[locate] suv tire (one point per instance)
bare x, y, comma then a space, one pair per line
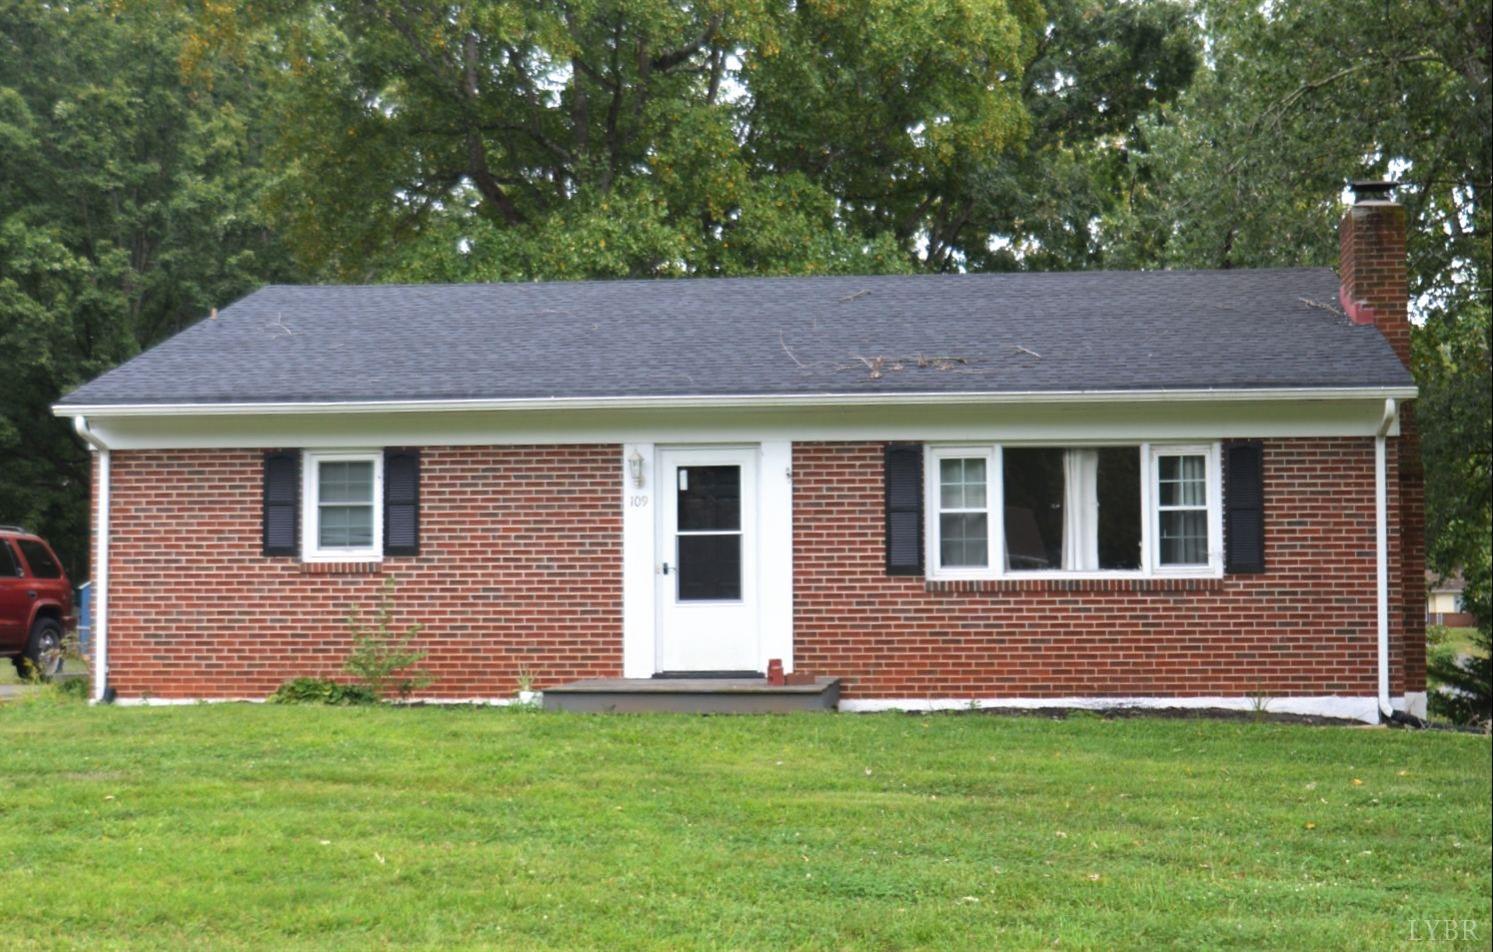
43, 657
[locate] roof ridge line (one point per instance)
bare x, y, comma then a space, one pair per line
764, 278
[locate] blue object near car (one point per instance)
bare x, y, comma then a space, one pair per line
84, 605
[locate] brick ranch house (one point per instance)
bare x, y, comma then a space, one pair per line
1194, 489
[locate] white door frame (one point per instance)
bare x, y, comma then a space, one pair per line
638, 470
706, 635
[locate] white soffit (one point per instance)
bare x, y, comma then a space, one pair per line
1166, 416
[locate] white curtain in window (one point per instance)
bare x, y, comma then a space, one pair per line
1080, 510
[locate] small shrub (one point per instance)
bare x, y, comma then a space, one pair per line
321, 691
1259, 705
525, 678
383, 659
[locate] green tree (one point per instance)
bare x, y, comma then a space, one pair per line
1296, 98
500, 139
598, 138
1099, 70
1455, 406
127, 209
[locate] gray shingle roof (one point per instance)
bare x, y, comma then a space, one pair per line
1239, 329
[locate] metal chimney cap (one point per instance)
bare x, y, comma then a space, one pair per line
1371, 190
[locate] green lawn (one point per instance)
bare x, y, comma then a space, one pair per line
262, 827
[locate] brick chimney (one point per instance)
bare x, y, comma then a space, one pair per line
1372, 263
1376, 290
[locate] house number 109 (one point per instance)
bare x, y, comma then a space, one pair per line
638, 502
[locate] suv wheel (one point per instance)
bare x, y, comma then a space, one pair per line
43, 657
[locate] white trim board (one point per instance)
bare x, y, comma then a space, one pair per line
1117, 420
148, 701
1415, 703
1364, 709
638, 505
775, 532
1345, 708
710, 401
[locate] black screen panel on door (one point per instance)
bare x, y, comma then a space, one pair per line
708, 547
709, 498
709, 567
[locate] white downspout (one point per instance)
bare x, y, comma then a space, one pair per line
101, 563
1381, 553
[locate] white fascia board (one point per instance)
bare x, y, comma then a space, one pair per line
1034, 423
743, 401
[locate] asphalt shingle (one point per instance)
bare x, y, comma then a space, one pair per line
1158, 330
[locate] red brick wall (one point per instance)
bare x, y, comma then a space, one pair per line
1305, 627
520, 566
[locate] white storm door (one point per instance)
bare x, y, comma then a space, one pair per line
706, 568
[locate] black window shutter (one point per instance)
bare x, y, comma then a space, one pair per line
1244, 508
401, 502
282, 499
904, 509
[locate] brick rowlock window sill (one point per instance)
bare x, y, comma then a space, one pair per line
959, 586
341, 568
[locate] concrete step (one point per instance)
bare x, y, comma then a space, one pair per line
692, 696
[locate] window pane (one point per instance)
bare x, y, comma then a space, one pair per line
709, 567
8, 566
1184, 537
343, 482
962, 539
1183, 481
345, 527
41, 561
961, 483
709, 498
1119, 507
1034, 508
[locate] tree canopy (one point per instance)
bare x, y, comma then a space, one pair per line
647, 138
636, 137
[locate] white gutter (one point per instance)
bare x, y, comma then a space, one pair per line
1381, 554
101, 564
707, 401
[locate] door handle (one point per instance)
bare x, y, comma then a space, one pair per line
31, 593
666, 568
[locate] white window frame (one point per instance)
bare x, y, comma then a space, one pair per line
1211, 454
995, 498
311, 462
995, 539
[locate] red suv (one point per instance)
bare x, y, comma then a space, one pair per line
36, 603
